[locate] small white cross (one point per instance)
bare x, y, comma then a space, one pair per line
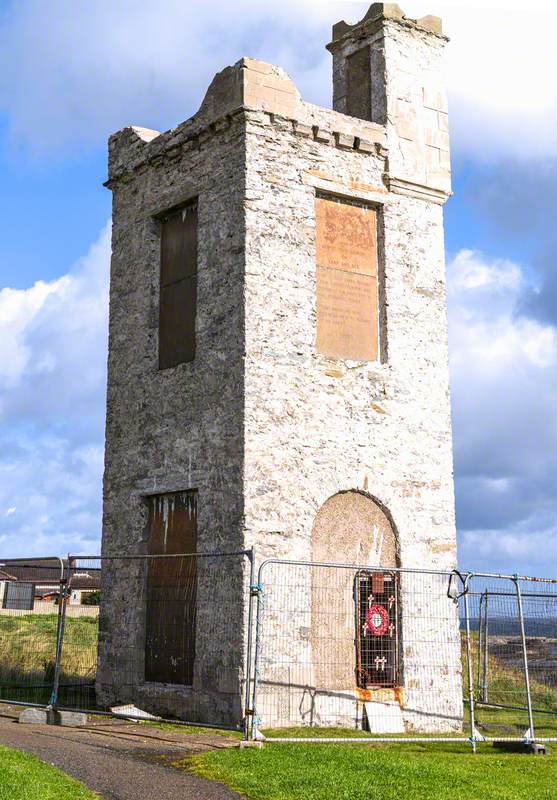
380, 663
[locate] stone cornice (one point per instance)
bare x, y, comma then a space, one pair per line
249, 85
417, 190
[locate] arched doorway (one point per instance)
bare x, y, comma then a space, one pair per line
352, 528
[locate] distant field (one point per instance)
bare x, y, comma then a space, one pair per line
28, 650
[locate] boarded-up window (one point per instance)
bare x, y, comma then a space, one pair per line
377, 629
171, 589
19, 596
358, 94
347, 289
178, 287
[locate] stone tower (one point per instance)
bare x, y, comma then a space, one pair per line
278, 371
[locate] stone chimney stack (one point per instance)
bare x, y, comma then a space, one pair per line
389, 70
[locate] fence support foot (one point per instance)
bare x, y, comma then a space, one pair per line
67, 719
532, 748
250, 743
33, 716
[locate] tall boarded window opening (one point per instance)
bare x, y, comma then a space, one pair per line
171, 589
358, 96
178, 287
347, 283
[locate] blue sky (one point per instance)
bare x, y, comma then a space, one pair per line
70, 73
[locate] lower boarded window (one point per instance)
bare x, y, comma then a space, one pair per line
171, 589
376, 629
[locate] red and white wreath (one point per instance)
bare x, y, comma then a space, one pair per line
377, 620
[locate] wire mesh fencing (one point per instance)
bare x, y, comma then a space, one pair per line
514, 654
167, 639
305, 651
354, 653
142, 637
29, 628
357, 649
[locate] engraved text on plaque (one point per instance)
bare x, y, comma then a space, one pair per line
347, 306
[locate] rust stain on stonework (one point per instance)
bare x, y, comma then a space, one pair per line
381, 695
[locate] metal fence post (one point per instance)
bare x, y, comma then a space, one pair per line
485, 688
258, 591
530, 737
480, 645
64, 587
248, 712
469, 663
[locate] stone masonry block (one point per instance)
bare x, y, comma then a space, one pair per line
407, 130
303, 130
258, 66
437, 138
431, 23
364, 146
33, 716
322, 135
432, 157
344, 140
434, 97
443, 121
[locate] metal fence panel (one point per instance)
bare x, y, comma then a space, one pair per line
514, 650
339, 651
319, 634
29, 621
165, 639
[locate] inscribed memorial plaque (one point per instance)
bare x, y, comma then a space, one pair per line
347, 302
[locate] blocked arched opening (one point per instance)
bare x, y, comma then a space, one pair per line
350, 528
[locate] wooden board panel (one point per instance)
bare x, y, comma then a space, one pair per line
178, 287
347, 289
358, 96
179, 245
171, 589
178, 306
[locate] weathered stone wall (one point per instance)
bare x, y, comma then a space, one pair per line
264, 427
180, 428
317, 426
407, 90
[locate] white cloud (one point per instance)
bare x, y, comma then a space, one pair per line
504, 385
85, 69
53, 336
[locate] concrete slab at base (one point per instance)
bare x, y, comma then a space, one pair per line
257, 745
67, 719
384, 717
34, 716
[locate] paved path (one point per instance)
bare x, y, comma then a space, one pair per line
119, 760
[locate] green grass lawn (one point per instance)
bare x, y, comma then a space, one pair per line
362, 772
24, 777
